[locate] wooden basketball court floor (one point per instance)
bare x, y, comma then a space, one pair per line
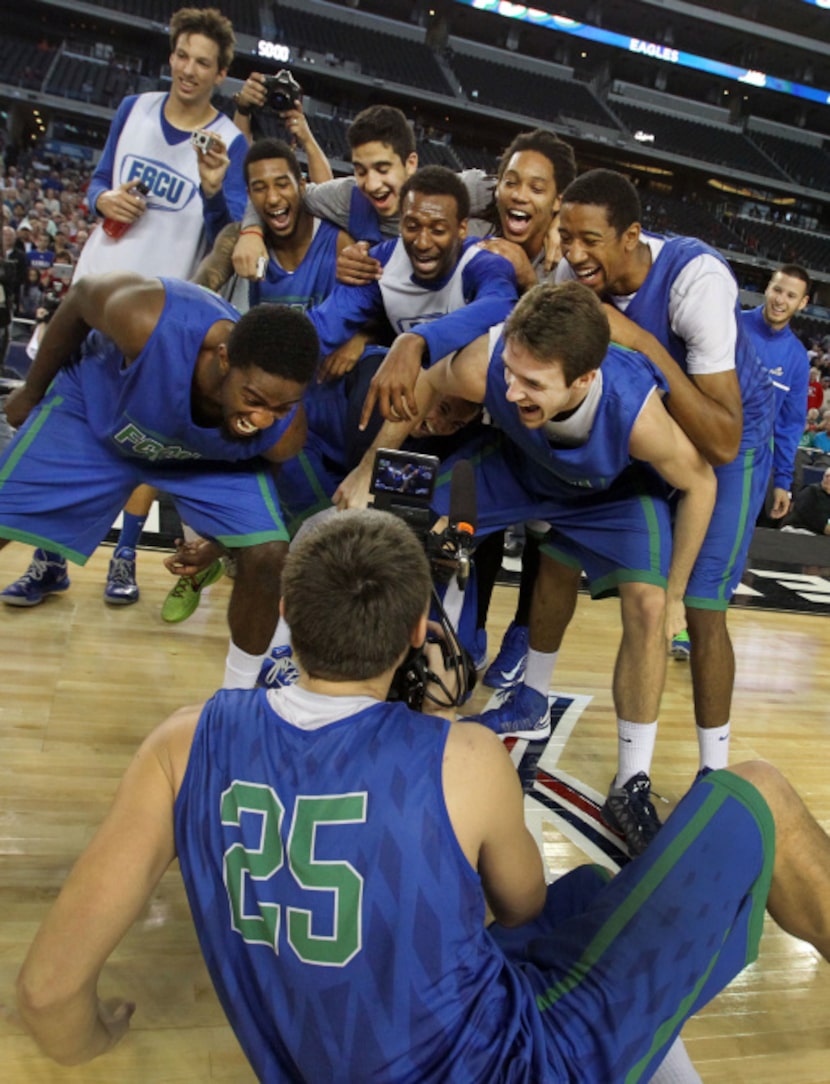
81, 684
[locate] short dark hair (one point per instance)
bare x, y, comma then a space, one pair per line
277, 339
609, 189
565, 323
796, 271
209, 22
354, 588
559, 153
271, 148
439, 181
383, 124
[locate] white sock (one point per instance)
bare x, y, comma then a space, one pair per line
539, 670
635, 748
713, 743
282, 635
676, 1067
241, 669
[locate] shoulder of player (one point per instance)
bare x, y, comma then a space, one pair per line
470, 744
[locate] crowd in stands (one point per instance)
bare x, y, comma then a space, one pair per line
46, 223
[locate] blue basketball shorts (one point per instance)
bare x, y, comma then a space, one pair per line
618, 965
742, 486
61, 488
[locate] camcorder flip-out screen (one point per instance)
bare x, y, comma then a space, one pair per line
403, 483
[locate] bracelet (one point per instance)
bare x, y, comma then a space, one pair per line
251, 229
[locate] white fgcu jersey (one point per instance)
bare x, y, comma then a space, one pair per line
169, 239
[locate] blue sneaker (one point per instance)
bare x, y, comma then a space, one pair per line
508, 667
46, 575
278, 669
523, 713
681, 647
121, 588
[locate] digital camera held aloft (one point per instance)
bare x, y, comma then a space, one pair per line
202, 141
283, 91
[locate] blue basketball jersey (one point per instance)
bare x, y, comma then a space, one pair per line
144, 411
309, 283
364, 224
628, 378
340, 921
650, 309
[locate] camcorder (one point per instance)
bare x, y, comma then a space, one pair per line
202, 141
283, 91
403, 484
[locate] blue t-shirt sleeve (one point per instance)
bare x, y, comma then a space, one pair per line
103, 178
789, 422
489, 285
228, 205
347, 310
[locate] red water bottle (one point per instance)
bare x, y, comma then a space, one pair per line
115, 229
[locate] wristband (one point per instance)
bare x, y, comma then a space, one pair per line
252, 229
242, 110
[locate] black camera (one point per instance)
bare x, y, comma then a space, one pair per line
283, 91
403, 484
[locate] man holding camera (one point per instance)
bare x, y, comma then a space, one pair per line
191, 194
340, 856
193, 191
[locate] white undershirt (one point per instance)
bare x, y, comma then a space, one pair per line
311, 711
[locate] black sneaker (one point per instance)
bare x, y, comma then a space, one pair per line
628, 809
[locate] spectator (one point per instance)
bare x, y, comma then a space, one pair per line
811, 508
821, 439
815, 392
31, 294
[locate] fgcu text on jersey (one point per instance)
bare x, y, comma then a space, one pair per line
168, 189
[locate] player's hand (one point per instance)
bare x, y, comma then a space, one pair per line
248, 251
525, 275
19, 406
353, 491
355, 267
122, 204
213, 165
343, 359
114, 1015
191, 558
675, 618
393, 386
781, 503
553, 245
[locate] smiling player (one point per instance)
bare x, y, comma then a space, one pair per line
171, 388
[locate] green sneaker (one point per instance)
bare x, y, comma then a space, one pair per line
681, 647
183, 599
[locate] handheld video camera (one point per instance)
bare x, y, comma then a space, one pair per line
202, 141
403, 484
283, 91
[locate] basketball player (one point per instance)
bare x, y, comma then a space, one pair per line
784, 357
340, 853
159, 381
680, 301
578, 423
